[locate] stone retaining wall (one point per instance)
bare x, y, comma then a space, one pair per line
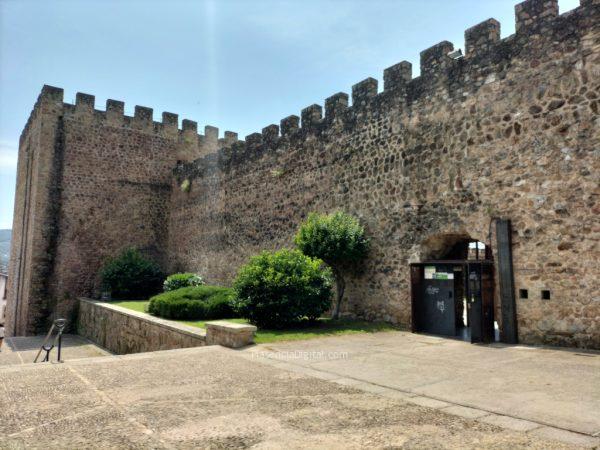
123, 331
227, 334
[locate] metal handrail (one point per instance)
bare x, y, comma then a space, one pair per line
59, 324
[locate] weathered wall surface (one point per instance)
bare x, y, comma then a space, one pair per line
509, 131
34, 225
123, 331
114, 193
89, 184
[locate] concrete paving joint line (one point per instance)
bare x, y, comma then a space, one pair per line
356, 382
108, 401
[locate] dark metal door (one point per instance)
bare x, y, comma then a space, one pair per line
416, 288
436, 306
480, 301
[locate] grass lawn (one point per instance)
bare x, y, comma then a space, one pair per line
324, 327
136, 305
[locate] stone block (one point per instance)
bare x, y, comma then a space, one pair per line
435, 58
481, 37
289, 125
311, 115
229, 334
336, 105
531, 13
397, 76
363, 92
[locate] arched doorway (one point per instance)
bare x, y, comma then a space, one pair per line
453, 289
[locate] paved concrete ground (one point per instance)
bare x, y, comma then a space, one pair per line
22, 350
542, 391
212, 397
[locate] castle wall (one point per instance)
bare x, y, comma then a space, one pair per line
33, 223
509, 131
89, 184
114, 194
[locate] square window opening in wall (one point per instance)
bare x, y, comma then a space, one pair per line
545, 294
523, 293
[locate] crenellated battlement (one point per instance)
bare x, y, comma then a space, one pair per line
142, 120
480, 38
442, 69
534, 14
336, 106
49, 95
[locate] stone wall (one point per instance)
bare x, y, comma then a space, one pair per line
89, 184
124, 331
511, 131
34, 223
122, 201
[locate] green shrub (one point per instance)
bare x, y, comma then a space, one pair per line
276, 290
194, 303
131, 276
339, 240
180, 280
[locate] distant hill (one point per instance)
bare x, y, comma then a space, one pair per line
4, 249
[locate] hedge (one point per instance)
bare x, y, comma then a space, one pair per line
194, 303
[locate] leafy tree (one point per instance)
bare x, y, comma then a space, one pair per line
283, 288
131, 275
339, 240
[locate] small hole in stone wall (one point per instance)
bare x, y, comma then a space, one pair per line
545, 294
523, 293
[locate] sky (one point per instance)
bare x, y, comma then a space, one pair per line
239, 65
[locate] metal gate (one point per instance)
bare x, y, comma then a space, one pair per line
434, 302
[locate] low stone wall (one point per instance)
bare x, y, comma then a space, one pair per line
227, 334
123, 331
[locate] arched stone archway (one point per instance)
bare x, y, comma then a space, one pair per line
453, 290
442, 246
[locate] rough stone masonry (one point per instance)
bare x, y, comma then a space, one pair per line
510, 130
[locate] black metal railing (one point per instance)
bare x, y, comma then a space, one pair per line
49, 344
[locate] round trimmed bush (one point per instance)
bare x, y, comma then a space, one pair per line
180, 280
279, 289
194, 303
131, 276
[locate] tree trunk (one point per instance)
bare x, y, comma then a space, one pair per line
341, 286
